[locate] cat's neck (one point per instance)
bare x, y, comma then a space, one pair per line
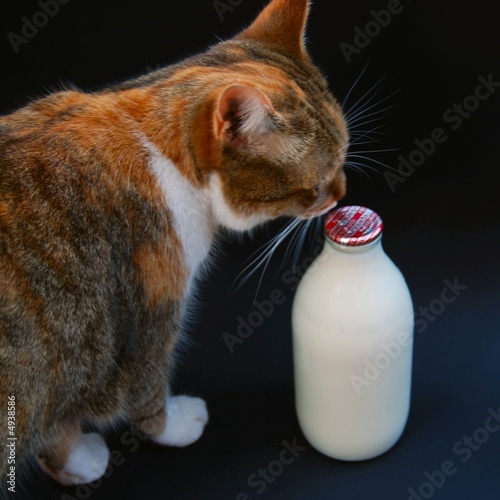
189, 206
163, 119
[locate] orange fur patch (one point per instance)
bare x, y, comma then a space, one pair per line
155, 264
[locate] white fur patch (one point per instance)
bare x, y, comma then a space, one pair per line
86, 462
197, 212
190, 208
223, 213
186, 420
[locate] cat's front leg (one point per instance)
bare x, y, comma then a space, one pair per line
186, 420
73, 457
176, 421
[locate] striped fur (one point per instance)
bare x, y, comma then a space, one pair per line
109, 203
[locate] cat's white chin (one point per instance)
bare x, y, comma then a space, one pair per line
224, 215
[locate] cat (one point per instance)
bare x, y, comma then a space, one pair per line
109, 205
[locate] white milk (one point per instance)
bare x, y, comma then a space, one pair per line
352, 338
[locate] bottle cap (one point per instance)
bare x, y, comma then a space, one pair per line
353, 226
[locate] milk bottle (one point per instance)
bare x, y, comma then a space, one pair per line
352, 340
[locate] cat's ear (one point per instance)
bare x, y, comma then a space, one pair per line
282, 24
243, 113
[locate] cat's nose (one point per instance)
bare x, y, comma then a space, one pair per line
339, 187
340, 192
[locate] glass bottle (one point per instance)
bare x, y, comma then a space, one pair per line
352, 340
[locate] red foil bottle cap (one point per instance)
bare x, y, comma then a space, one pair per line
353, 226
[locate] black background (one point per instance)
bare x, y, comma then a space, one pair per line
442, 223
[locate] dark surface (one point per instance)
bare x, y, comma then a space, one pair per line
442, 223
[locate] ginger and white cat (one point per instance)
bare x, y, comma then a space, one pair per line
110, 202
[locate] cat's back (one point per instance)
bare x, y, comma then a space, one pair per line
52, 246
70, 195
38, 120
65, 126
44, 171
67, 157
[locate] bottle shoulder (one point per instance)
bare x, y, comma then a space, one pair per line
347, 270
365, 290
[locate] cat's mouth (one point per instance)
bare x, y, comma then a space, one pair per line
317, 212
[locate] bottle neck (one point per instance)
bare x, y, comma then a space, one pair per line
375, 246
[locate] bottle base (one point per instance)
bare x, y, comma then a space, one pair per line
354, 452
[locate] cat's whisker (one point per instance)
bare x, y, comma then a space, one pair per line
361, 167
294, 243
353, 121
374, 130
353, 86
262, 250
300, 241
367, 122
353, 113
358, 133
362, 120
358, 141
267, 259
350, 153
367, 158
318, 229
366, 105
357, 167
289, 247
264, 255
319, 225
362, 115
370, 141
365, 112
359, 104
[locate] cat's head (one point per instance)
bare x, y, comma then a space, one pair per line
279, 137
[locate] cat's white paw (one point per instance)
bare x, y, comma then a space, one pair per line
186, 419
86, 462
